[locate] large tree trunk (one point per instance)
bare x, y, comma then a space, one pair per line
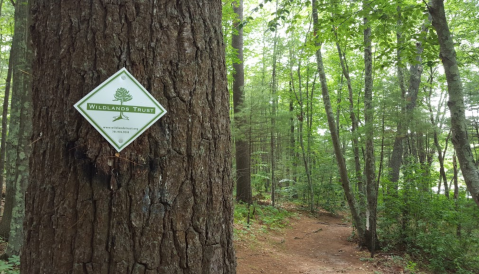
243, 171
164, 205
456, 99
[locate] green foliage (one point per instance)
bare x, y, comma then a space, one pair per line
267, 216
241, 212
435, 230
414, 218
273, 217
411, 267
10, 266
331, 196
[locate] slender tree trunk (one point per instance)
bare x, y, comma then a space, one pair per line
354, 133
17, 147
338, 110
243, 169
4, 116
455, 179
250, 139
456, 193
4, 121
415, 72
434, 123
309, 125
21, 73
456, 106
343, 172
273, 115
381, 157
299, 97
443, 156
165, 204
396, 157
292, 139
370, 167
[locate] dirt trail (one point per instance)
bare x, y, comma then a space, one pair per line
311, 245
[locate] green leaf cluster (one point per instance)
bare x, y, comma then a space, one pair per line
11, 266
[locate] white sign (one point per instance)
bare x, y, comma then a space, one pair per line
120, 109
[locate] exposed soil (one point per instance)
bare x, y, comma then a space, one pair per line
310, 245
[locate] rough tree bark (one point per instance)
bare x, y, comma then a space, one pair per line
164, 205
456, 106
243, 170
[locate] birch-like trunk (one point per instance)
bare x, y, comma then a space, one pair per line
456, 105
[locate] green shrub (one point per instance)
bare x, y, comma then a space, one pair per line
269, 216
440, 233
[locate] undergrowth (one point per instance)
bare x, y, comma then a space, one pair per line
438, 232
261, 219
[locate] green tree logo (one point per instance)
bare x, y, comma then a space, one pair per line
122, 95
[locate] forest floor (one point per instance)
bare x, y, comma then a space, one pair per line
310, 244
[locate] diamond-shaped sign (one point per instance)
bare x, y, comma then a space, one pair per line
120, 109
